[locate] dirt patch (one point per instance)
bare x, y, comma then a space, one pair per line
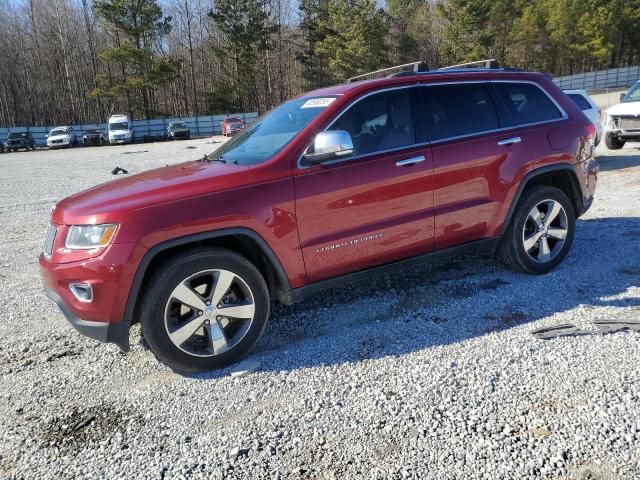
81, 426
505, 320
629, 270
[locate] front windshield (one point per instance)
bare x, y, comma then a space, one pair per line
176, 126
633, 95
119, 126
272, 132
55, 133
92, 131
18, 135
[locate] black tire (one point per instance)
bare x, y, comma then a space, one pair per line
512, 251
158, 294
612, 142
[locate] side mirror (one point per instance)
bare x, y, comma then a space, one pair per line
329, 145
622, 96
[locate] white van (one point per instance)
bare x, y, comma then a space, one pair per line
120, 129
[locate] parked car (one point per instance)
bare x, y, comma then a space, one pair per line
312, 196
93, 136
18, 141
120, 129
232, 125
589, 108
177, 130
61, 137
622, 121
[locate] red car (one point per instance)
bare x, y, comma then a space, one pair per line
329, 187
232, 125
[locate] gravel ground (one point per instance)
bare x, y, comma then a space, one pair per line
431, 373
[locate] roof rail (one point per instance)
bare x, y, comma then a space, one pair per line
491, 63
420, 68
412, 67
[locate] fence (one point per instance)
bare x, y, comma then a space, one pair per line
600, 80
202, 126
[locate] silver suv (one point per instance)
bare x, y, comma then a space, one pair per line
622, 121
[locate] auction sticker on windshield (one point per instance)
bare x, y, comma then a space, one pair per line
317, 102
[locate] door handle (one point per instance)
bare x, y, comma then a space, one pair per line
410, 161
509, 141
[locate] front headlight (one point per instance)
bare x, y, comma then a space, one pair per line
609, 121
87, 237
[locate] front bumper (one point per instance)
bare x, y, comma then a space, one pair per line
60, 143
624, 134
117, 333
110, 276
182, 135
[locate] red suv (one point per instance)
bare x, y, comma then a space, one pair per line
329, 187
232, 125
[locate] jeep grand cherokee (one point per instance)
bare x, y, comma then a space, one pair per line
329, 187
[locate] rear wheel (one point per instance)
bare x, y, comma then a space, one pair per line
613, 142
204, 309
541, 231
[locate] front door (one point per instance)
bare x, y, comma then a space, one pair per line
374, 207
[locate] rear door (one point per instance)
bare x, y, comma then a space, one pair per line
374, 207
475, 162
535, 116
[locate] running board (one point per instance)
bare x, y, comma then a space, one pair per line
484, 246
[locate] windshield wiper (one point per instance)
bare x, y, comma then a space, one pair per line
219, 159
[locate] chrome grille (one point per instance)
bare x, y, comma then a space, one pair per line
49, 238
630, 123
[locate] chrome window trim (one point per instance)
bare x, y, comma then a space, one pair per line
562, 118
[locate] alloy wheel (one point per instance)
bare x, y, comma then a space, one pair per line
209, 312
545, 231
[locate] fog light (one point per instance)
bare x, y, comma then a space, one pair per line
82, 291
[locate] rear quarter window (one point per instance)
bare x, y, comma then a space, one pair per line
580, 101
526, 103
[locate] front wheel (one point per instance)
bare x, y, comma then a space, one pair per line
204, 309
612, 142
541, 231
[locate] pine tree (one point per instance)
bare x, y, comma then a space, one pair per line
245, 28
137, 26
354, 40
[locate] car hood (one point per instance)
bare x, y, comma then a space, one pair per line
106, 202
625, 108
59, 137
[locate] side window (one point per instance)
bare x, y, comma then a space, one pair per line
527, 103
456, 110
580, 101
382, 121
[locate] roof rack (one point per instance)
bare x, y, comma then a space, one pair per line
413, 67
420, 68
490, 63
